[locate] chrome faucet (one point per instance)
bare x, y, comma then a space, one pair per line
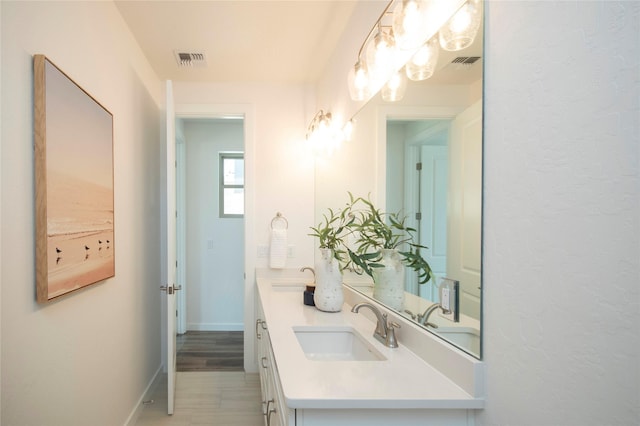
385, 331
309, 268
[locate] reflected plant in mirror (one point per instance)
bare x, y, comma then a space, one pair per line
377, 231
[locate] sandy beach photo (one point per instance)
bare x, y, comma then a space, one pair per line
80, 240
74, 187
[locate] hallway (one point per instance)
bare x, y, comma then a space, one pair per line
210, 351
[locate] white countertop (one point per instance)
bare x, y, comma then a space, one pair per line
401, 381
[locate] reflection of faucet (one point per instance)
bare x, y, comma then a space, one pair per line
424, 318
385, 332
309, 268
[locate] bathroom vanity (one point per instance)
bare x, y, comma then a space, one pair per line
319, 368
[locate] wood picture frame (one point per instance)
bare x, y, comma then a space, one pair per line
74, 209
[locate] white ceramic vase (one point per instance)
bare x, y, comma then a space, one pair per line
388, 280
328, 296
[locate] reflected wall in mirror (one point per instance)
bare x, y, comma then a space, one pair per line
437, 125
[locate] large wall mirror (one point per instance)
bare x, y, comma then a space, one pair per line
422, 156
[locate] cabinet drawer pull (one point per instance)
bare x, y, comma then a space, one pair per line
273, 410
258, 335
270, 411
262, 360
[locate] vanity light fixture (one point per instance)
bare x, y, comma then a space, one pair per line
380, 53
411, 40
394, 89
408, 22
359, 81
324, 134
364, 77
423, 63
320, 125
460, 31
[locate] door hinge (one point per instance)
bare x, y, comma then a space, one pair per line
419, 166
419, 216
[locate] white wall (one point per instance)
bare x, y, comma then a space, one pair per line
561, 241
88, 357
215, 246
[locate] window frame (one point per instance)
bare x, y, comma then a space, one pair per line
222, 186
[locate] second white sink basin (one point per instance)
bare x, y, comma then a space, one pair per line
465, 337
335, 344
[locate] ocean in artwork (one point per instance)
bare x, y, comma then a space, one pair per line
80, 233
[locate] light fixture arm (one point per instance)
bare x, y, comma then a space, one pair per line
320, 117
376, 24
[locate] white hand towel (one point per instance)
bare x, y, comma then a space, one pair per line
278, 249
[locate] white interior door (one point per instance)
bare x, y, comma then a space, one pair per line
465, 191
170, 287
433, 206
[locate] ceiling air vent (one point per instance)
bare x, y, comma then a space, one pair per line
190, 59
465, 60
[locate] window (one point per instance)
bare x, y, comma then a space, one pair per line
231, 184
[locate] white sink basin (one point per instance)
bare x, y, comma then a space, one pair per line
335, 344
466, 337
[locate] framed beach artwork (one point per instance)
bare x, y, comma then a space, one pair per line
73, 184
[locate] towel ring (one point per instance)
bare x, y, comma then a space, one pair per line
279, 217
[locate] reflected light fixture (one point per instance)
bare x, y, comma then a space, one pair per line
380, 53
364, 76
394, 89
423, 63
411, 39
460, 31
408, 22
359, 81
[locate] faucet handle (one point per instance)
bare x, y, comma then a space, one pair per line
381, 326
392, 342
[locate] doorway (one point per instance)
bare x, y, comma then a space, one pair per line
417, 152
210, 243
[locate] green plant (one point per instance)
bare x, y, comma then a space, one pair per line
376, 231
332, 231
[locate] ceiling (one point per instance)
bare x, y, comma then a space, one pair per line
242, 40
262, 41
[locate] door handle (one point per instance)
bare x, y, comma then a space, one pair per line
170, 289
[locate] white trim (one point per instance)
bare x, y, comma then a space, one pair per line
396, 112
181, 226
146, 395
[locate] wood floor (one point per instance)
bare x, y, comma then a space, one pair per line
211, 385
210, 351
215, 398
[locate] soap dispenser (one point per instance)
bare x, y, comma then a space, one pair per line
309, 288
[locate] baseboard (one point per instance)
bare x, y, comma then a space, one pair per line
215, 327
148, 392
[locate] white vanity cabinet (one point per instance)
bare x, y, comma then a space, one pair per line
401, 389
274, 409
